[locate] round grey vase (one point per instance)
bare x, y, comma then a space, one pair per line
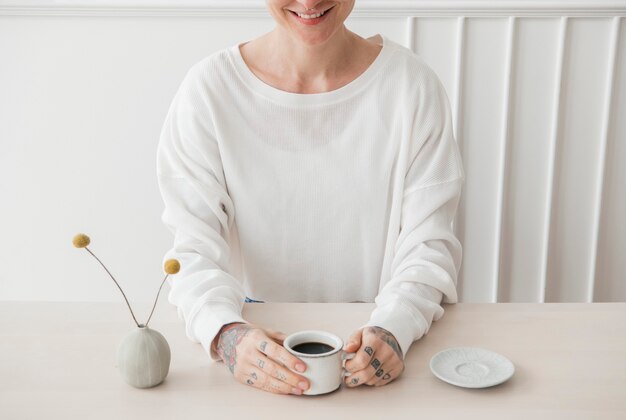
143, 357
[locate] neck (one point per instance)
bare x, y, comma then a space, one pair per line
310, 63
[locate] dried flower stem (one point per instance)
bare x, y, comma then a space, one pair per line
118, 286
155, 300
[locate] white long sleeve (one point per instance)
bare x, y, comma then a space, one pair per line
199, 212
427, 253
341, 196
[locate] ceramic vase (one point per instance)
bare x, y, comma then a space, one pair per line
143, 357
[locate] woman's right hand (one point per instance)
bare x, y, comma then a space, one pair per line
256, 357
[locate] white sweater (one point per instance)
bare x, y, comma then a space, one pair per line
341, 196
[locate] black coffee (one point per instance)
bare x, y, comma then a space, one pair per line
312, 348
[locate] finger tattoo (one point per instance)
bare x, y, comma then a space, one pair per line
379, 372
387, 376
254, 375
263, 345
354, 381
368, 350
281, 376
375, 363
249, 382
261, 363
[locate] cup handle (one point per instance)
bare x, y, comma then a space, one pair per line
345, 356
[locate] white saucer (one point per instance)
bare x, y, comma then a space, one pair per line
471, 367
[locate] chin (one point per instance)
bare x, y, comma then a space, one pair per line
338, 12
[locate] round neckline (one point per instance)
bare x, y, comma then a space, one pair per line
304, 99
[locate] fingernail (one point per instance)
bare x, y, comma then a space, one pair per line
303, 385
300, 367
296, 391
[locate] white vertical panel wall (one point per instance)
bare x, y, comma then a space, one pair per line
536, 97
538, 92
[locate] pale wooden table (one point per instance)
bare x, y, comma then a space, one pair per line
57, 360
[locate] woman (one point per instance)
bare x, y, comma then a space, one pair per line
311, 165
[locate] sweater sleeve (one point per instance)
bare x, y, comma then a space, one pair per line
199, 212
427, 254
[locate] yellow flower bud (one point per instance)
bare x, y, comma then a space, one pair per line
172, 266
80, 240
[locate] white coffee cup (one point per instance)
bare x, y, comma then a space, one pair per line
324, 371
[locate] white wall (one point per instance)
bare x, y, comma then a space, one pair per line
84, 91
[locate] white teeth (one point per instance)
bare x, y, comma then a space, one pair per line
311, 16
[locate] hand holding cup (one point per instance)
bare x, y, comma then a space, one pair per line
256, 357
379, 359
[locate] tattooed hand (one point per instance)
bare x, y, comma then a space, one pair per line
256, 357
378, 358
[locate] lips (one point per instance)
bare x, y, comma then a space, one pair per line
313, 13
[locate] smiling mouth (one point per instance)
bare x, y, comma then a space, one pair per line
324, 13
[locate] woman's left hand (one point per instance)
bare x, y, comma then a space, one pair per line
378, 358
